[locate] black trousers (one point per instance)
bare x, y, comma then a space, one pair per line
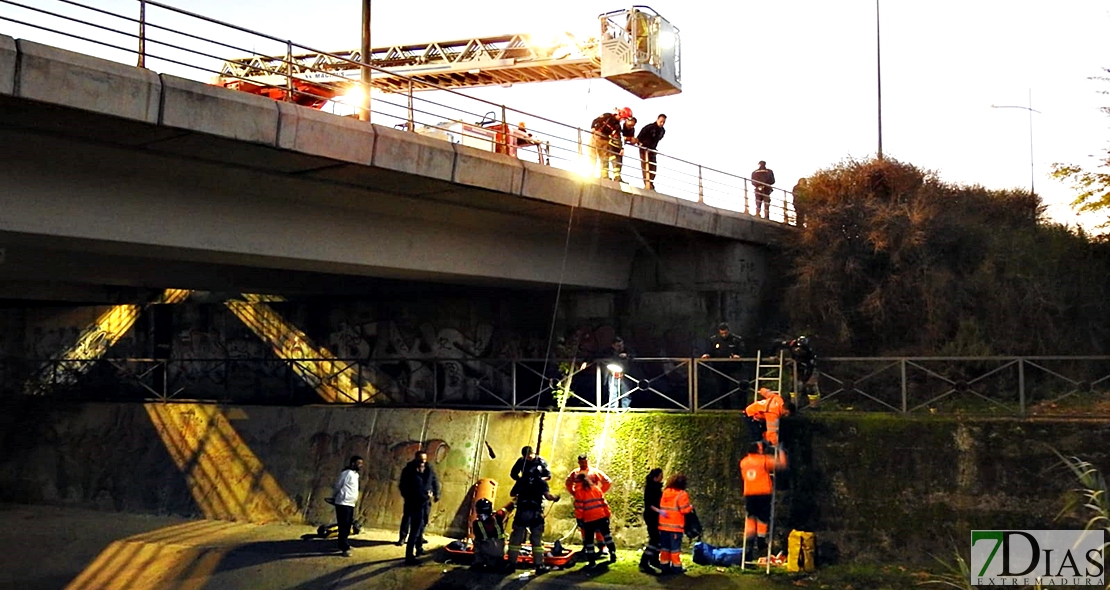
416, 513
344, 517
408, 523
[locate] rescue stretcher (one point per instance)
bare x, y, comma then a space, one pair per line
462, 550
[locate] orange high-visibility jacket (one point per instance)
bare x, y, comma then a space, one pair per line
589, 504
755, 469
676, 505
768, 410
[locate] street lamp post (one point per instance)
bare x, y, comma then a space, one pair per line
879, 76
364, 111
1031, 110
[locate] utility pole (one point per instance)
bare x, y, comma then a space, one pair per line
1032, 166
879, 76
364, 110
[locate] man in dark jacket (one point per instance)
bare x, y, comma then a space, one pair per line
725, 345
419, 488
649, 137
763, 177
530, 464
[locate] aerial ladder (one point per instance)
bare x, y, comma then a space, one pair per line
637, 49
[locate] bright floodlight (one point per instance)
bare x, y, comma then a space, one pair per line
354, 96
614, 368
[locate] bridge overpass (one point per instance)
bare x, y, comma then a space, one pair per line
117, 175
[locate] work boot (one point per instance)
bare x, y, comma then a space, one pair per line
612, 556
645, 564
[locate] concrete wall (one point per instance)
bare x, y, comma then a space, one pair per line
878, 487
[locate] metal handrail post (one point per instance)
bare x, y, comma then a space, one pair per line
579, 142
288, 71
505, 128
142, 33
1021, 384
905, 386
746, 198
701, 189
597, 391
514, 384
412, 126
692, 384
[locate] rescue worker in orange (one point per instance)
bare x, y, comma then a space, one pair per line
762, 416
673, 508
756, 470
588, 486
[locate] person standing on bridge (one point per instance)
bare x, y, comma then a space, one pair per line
344, 497
763, 177
605, 129
648, 138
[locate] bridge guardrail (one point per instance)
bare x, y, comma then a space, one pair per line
900, 385
183, 43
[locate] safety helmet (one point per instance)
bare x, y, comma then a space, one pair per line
483, 506
624, 112
802, 341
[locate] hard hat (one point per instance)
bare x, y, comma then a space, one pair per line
802, 340
483, 506
624, 112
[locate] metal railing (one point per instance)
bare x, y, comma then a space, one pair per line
903, 385
184, 43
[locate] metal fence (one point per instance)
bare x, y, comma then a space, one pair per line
178, 42
903, 385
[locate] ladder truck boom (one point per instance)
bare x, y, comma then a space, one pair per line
637, 49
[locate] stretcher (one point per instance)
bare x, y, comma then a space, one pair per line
463, 552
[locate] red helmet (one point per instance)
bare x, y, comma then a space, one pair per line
624, 112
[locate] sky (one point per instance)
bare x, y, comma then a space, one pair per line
792, 82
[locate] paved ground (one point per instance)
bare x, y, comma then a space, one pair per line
45, 547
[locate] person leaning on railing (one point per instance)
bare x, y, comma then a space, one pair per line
648, 138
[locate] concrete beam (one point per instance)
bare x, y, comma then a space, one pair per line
605, 196
553, 185
56, 76
496, 172
412, 153
218, 111
655, 208
9, 54
310, 131
697, 217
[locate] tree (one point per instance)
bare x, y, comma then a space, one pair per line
1093, 186
894, 261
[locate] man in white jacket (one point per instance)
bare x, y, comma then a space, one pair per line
344, 498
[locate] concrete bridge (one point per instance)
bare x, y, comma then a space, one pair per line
116, 175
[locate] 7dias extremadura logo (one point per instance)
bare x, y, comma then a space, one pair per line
1051, 558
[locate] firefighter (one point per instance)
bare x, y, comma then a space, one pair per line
762, 416
756, 469
653, 494
806, 359
606, 129
489, 535
588, 486
616, 144
530, 463
674, 505
528, 495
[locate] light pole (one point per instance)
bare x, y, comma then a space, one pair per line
364, 111
879, 76
1032, 171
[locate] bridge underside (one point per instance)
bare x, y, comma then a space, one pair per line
99, 200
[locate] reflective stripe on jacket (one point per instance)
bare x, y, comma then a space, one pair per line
676, 505
590, 504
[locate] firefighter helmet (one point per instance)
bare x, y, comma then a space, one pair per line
624, 112
483, 506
